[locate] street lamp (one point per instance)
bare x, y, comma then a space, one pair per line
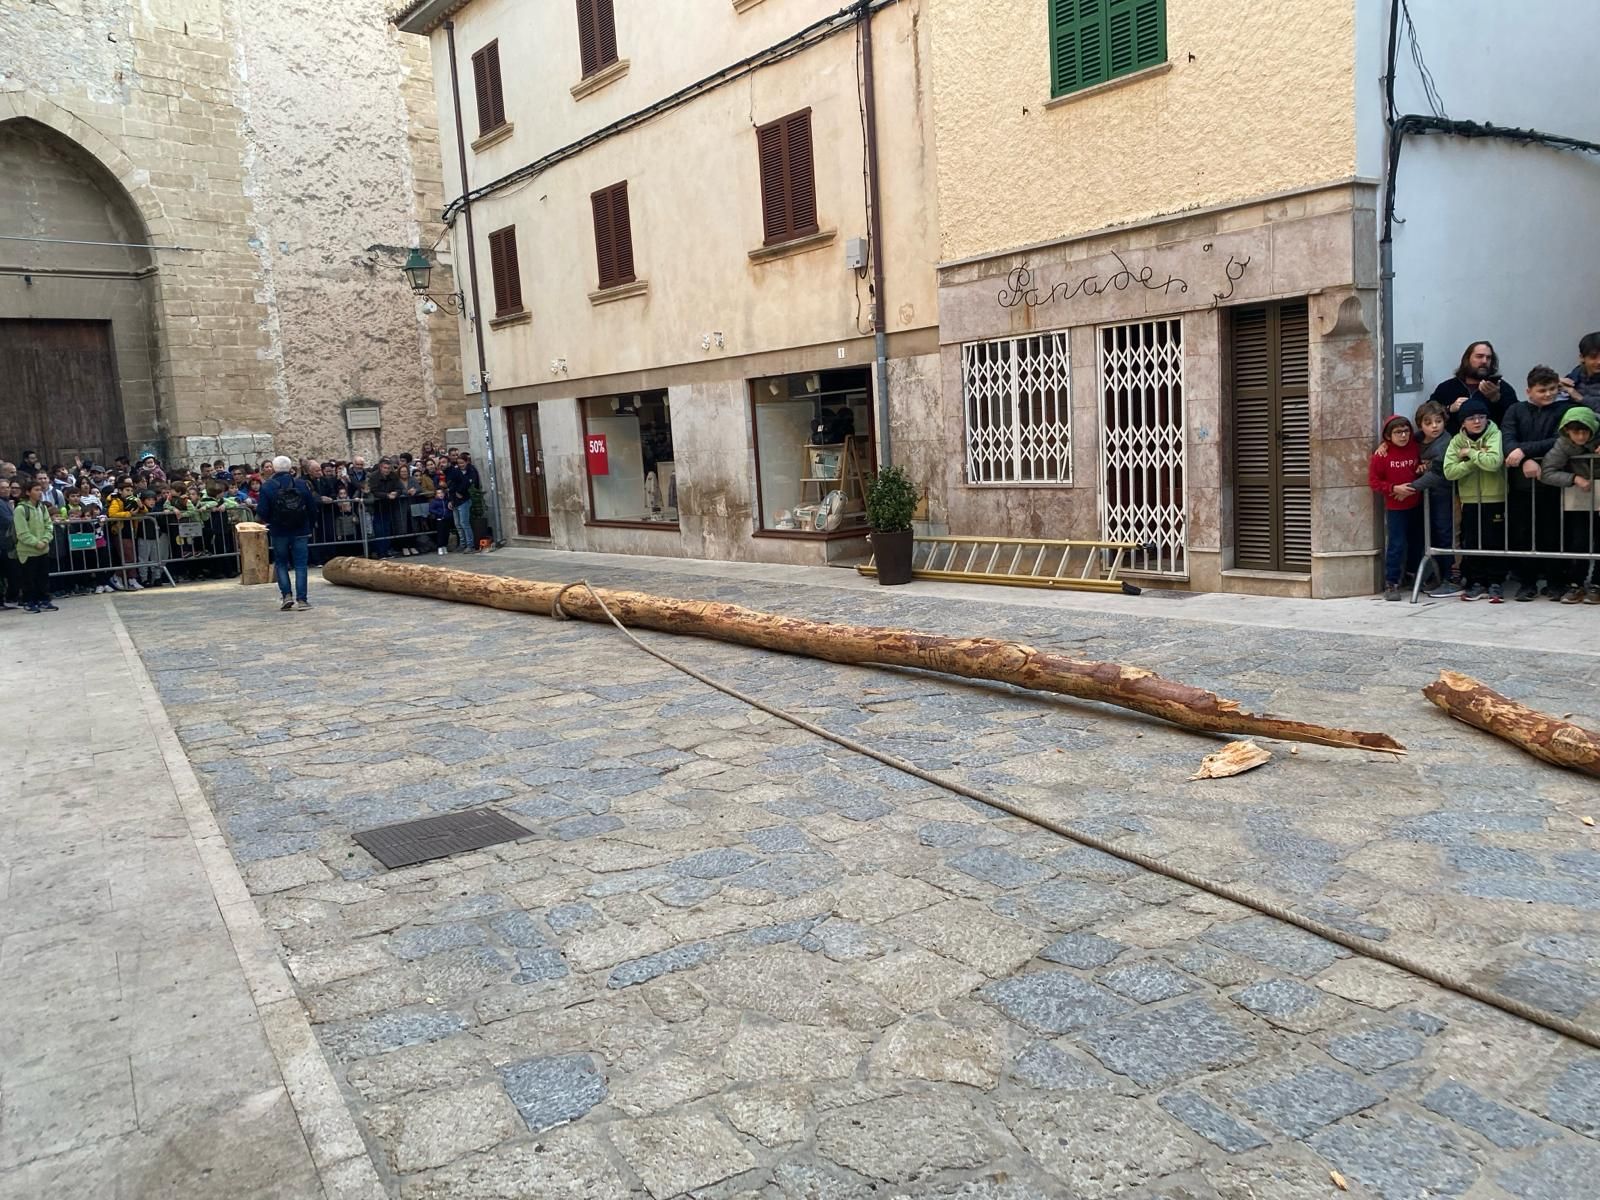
417, 270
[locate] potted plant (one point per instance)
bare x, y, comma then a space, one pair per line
891, 501
481, 529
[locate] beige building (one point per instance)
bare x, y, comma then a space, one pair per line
670, 212
1158, 286
204, 205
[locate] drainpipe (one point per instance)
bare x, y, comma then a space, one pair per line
493, 498
875, 239
1391, 158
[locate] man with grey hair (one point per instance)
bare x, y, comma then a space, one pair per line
286, 507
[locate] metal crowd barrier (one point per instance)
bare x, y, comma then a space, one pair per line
1557, 526
163, 547
375, 528
147, 548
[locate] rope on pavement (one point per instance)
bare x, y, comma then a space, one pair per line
1365, 947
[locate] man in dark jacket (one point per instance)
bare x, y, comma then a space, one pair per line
459, 481
385, 489
287, 508
1478, 375
1533, 512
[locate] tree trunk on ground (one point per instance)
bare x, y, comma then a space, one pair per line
254, 566
1541, 735
971, 658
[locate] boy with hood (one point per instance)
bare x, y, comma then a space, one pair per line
1474, 463
1392, 474
1533, 513
1438, 498
1569, 466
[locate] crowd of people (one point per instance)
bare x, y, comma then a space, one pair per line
1477, 469
124, 526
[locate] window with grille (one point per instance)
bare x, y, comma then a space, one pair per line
613, 235
1271, 359
486, 82
788, 178
1092, 41
506, 272
597, 35
1144, 494
1017, 399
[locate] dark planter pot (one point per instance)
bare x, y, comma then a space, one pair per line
481, 530
893, 551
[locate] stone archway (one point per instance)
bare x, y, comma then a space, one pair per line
80, 310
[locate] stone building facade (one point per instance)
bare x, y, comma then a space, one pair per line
204, 205
664, 399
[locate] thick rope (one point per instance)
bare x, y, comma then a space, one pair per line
1365, 947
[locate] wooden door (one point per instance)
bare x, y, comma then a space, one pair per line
527, 472
58, 390
1272, 437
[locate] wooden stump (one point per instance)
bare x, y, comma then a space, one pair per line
972, 658
254, 566
1541, 735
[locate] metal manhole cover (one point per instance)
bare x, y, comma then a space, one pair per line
413, 842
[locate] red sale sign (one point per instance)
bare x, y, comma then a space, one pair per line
599, 460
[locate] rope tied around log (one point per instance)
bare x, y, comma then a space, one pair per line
559, 613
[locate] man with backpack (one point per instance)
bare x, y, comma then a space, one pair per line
287, 507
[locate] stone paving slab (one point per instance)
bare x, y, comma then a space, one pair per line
133, 1059
736, 960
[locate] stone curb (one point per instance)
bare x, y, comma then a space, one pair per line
337, 1150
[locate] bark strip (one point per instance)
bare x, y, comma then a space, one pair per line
1541, 735
971, 658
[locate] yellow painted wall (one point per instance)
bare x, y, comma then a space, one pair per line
693, 184
1260, 98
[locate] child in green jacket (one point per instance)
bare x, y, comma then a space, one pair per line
1474, 462
34, 533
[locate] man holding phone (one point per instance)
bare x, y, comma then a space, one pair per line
1478, 375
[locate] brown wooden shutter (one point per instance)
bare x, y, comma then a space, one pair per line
597, 35
622, 232
802, 175
486, 83
1294, 432
613, 235
788, 178
1272, 437
506, 271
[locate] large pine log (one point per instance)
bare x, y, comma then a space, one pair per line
972, 658
1541, 735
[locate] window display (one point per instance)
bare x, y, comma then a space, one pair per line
627, 445
814, 451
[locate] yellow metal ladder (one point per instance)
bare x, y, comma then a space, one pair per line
1020, 562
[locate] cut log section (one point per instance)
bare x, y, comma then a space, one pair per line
971, 658
1541, 735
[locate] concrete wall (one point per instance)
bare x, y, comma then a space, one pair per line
694, 187
1496, 239
1258, 99
246, 133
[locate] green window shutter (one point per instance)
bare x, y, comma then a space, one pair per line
1092, 41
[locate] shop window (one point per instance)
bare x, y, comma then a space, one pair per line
814, 451
627, 443
1017, 399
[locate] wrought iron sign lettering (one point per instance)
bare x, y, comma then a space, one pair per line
1021, 288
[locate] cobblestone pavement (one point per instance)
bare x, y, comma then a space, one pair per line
735, 961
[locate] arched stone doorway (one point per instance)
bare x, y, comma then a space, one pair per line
79, 342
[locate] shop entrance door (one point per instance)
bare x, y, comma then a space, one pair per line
527, 472
1144, 493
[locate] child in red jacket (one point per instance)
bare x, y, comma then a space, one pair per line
1392, 473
